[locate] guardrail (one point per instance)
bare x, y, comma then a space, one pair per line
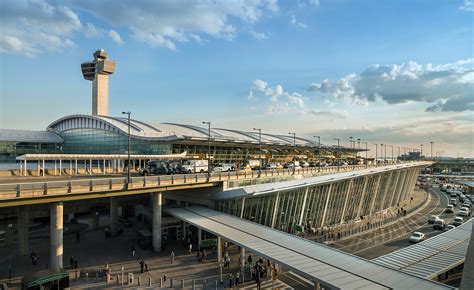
78, 186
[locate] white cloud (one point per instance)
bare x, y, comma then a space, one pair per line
314, 2
295, 22
92, 31
468, 5
276, 98
446, 87
329, 114
165, 23
32, 26
115, 36
258, 35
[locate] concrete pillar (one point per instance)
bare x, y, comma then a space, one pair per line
9, 234
95, 220
219, 249
199, 238
242, 209
326, 205
157, 204
349, 188
44, 169
113, 215
56, 235
23, 230
242, 263
303, 208
60, 167
275, 210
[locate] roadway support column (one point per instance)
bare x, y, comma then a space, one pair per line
56, 235
113, 215
199, 233
23, 230
242, 264
157, 203
219, 250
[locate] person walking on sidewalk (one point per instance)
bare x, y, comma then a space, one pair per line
172, 257
133, 251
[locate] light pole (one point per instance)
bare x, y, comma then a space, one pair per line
421, 150
431, 143
319, 152
398, 157
381, 152
259, 149
128, 162
337, 159
208, 149
294, 151
376, 151
366, 163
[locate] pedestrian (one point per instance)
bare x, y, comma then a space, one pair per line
249, 259
32, 255
146, 267
190, 248
71, 261
35, 259
237, 278
231, 278
142, 265
228, 262
172, 257
78, 237
133, 251
204, 255
75, 264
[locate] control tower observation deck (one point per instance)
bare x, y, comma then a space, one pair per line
98, 71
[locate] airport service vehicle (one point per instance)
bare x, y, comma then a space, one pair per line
457, 221
254, 164
417, 237
450, 227
432, 218
449, 208
222, 167
453, 201
155, 167
464, 212
439, 224
195, 166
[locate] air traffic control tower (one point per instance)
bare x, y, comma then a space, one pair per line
98, 72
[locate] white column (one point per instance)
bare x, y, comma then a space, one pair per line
304, 205
157, 203
55, 167
60, 166
275, 209
326, 205
219, 250
113, 215
103, 166
75, 171
44, 169
38, 168
26, 168
90, 167
56, 235
364, 192
348, 192
374, 197
242, 209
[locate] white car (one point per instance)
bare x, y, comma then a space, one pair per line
222, 168
432, 219
457, 221
417, 237
463, 212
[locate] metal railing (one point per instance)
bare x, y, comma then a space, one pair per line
77, 186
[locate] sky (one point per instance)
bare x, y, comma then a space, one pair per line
396, 72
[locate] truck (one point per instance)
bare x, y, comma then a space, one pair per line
195, 166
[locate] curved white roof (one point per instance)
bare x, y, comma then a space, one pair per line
29, 136
173, 131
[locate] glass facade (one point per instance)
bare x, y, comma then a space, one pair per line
324, 205
9, 150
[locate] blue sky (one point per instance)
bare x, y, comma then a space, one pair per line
396, 72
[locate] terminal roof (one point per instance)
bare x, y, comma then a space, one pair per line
27, 136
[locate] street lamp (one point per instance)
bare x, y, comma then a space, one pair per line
381, 152
208, 149
294, 151
338, 148
376, 151
259, 149
128, 165
431, 143
319, 152
366, 163
421, 150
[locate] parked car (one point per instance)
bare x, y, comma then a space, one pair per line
439, 224
464, 212
449, 208
457, 221
453, 201
417, 237
432, 218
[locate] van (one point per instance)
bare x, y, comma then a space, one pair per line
439, 224
449, 208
